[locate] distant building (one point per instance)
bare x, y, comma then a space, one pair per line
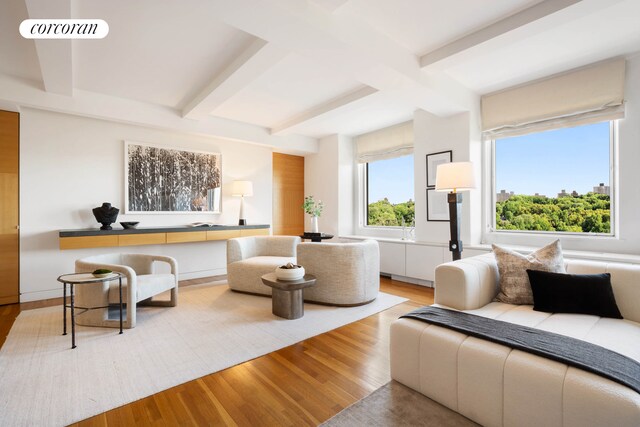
503, 196
574, 193
540, 195
563, 193
602, 189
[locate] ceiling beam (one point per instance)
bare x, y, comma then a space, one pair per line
526, 23
25, 93
333, 106
345, 42
54, 55
249, 65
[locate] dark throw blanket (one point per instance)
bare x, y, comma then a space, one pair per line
573, 352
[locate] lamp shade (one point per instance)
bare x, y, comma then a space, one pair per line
242, 188
454, 177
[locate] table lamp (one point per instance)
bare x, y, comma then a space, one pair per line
455, 177
242, 189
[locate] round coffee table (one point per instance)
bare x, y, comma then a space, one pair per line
287, 295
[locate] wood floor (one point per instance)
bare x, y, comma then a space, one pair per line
303, 384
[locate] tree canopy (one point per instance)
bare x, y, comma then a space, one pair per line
585, 213
384, 213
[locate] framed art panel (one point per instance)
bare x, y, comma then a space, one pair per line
433, 160
170, 180
437, 205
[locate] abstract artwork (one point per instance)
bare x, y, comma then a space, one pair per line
166, 180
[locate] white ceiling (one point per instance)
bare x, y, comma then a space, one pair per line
286, 70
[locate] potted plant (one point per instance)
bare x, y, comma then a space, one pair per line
313, 208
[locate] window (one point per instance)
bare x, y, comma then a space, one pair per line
555, 181
389, 192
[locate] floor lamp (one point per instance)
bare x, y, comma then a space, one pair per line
455, 177
242, 189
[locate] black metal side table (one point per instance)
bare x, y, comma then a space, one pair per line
80, 279
316, 237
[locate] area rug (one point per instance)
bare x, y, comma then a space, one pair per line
395, 405
43, 382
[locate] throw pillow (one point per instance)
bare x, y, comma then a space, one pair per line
512, 266
573, 293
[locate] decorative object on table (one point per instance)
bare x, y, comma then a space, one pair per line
455, 177
290, 271
127, 225
433, 160
286, 295
171, 180
437, 206
101, 272
242, 189
313, 208
408, 232
106, 215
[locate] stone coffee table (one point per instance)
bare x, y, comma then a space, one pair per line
287, 295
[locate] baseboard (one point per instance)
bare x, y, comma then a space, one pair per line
420, 282
204, 273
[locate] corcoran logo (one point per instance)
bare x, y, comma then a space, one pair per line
64, 29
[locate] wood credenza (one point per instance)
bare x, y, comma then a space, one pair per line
96, 238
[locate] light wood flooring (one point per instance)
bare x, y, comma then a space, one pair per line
303, 384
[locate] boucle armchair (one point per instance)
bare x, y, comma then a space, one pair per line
496, 385
249, 258
140, 285
347, 274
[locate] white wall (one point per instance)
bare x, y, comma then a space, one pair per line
328, 176
70, 164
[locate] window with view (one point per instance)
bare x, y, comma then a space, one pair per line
555, 181
390, 192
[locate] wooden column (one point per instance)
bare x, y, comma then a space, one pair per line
288, 194
9, 212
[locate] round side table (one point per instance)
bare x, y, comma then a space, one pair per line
287, 295
81, 279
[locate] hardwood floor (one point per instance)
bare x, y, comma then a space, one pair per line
303, 384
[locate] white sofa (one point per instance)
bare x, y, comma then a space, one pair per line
347, 273
249, 258
497, 386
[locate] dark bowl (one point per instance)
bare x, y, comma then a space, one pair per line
129, 224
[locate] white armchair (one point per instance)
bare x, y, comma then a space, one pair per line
248, 258
140, 285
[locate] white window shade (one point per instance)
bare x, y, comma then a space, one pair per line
387, 143
587, 95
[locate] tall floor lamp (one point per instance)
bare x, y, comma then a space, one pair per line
455, 177
242, 189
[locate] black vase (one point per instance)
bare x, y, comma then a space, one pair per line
106, 215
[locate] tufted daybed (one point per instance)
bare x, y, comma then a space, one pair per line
495, 385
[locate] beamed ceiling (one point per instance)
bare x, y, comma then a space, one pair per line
287, 72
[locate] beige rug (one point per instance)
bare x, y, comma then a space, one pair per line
44, 382
395, 405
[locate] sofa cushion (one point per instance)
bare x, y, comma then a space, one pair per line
246, 275
512, 266
573, 293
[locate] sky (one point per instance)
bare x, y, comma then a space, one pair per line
548, 162
545, 163
392, 179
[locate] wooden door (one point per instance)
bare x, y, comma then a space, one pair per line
288, 194
9, 213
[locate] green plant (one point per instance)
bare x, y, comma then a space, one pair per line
312, 207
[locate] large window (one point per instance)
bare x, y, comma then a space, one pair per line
389, 192
555, 181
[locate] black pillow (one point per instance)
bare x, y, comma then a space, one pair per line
573, 293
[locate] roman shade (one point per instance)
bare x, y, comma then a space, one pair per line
586, 95
387, 143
